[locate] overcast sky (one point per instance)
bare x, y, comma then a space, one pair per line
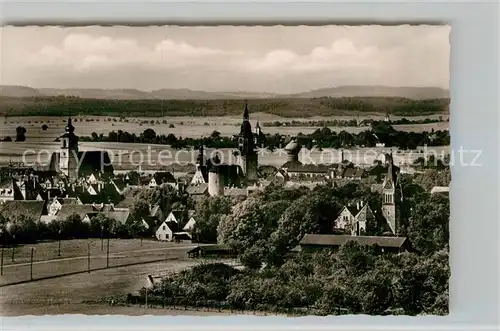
261, 59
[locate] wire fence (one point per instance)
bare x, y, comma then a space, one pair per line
31, 269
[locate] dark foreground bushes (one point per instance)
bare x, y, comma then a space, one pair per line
355, 280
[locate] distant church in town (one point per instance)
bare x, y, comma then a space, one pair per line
246, 145
392, 197
73, 163
218, 175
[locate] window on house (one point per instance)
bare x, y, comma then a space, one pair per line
164, 228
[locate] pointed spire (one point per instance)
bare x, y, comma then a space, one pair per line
390, 171
245, 113
69, 127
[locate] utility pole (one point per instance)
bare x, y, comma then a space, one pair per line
13, 247
31, 263
59, 253
107, 250
88, 254
102, 237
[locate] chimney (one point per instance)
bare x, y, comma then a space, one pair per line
362, 203
357, 205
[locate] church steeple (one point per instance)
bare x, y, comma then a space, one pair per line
246, 116
69, 127
68, 154
246, 145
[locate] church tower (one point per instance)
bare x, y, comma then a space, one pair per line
246, 146
68, 156
391, 197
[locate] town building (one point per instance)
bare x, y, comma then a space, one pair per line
164, 232
353, 218
392, 197
73, 163
246, 146
314, 242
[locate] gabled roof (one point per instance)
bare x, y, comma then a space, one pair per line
31, 208
81, 210
353, 208
339, 240
189, 224
69, 201
235, 192
211, 249
161, 226
365, 214
121, 215
197, 189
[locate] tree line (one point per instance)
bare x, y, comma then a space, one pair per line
381, 132
346, 123
22, 228
355, 279
263, 228
291, 107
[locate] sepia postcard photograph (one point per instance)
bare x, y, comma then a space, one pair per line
225, 170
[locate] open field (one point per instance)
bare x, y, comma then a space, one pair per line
78, 248
66, 295
47, 264
183, 126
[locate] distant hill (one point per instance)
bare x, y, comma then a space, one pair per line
376, 91
417, 93
18, 91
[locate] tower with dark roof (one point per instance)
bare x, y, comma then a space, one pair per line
246, 145
391, 197
68, 157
